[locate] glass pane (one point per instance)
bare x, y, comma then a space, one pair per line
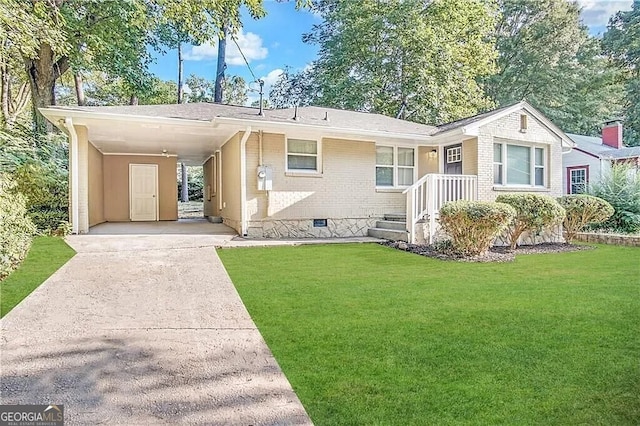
300, 146
518, 165
497, 174
301, 162
539, 176
405, 156
405, 176
497, 153
384, 176
384, 155
539, 157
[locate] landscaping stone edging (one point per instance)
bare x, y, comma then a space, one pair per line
613, 239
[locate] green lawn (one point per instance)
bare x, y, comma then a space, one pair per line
370, 335
46, 255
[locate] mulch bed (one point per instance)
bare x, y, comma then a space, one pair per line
495, 254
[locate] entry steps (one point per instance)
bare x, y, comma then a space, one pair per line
392, 228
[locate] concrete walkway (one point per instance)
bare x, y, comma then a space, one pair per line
143, 329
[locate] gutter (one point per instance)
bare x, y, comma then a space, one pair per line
73, 136
243, 181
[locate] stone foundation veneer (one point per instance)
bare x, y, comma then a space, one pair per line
303, 228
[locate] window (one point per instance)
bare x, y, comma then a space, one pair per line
302, 155
578, 179
454, 155
518, 165
395, 166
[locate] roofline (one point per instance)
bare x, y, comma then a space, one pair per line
577, 148
506, 111
55, 114
59, 113
275, 124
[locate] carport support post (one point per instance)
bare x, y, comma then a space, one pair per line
243, 181
79, 176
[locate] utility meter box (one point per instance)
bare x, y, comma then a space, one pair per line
265, 178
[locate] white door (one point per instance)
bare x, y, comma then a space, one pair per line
143, 192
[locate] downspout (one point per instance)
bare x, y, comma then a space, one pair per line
243, 181
218, 159
73, 136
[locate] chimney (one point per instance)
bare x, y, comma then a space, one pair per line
612, 134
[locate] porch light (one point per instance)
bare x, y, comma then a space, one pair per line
433, 154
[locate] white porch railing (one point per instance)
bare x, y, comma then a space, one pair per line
430, 192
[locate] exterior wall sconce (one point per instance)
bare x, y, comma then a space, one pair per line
433, 154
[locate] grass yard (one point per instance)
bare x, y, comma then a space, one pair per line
46, 255
370, 335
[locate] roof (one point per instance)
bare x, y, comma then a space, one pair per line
310, 115
593, 145
469, 120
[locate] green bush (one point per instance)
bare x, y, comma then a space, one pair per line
45, 187
582, 210
620, 187
17, 230
473, 225
534, 212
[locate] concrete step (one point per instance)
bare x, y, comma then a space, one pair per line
388, 234
398, 217
392, 224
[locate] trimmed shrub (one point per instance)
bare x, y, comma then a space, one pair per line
473, 225
620, 187
534, 212
582, 210
17, 230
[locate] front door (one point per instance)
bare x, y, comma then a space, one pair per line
143, 192
453, 159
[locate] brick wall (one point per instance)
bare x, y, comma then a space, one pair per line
344, 189
507, 130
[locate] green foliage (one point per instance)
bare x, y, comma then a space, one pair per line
195, 182
234, 90
620, 187
371, 59
547, 57
293, 88
534, 212
622, 44
473, 225
17, 230
581, 210
46, 255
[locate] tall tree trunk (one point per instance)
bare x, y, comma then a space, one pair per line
133, 100
43, 73
222, 48
180, 91
77, 79
184, 193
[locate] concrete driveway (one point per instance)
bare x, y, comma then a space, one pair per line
141, 330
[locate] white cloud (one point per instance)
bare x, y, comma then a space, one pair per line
596, 13
250, 44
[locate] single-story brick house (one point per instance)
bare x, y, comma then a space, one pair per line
304, 172
593, 156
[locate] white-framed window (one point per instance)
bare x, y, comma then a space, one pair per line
578, 179
303, 155
395, 166
454, 154
519, 164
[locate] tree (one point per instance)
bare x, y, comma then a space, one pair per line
202, 90
371, 60
293, 88
622, 44
234, 90
547, 57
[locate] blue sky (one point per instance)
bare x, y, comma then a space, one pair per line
275, 41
